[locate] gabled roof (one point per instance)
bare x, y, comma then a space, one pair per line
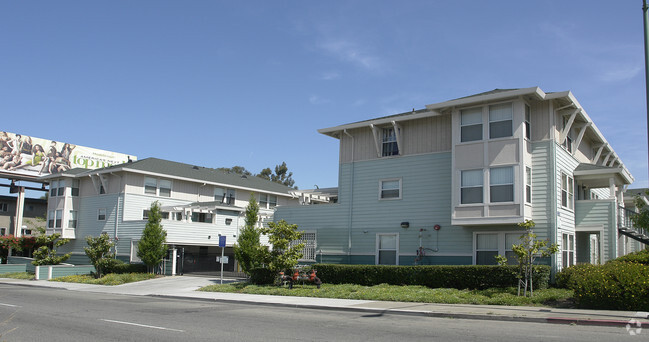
175, 170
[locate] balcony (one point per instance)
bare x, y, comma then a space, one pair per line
627, 228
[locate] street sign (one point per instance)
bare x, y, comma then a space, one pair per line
223, 259
222, 241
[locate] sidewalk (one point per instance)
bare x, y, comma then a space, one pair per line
184, 287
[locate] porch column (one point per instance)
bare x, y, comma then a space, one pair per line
611, 186
174, 255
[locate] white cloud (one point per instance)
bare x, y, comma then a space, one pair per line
348, 51
621, 73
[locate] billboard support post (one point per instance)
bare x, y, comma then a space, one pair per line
20, 204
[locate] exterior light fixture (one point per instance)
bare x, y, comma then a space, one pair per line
405, 224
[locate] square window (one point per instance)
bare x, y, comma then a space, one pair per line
471, 124
471, 186
501, 181
500, 120
150, 185
390, 189
165, 188
101, 214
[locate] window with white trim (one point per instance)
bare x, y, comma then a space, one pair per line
225, 196
263, 201
568, 250
527, 123
74, 190
101, 214
471, 124
486, 249
471, 186
389, 143
59, 218
164, 188
501, 184
145, 214
157, 187
150, 186
272, 201
50, 219
511, 239
390, 189
54, 185
202, 217
567, 191
134, 251
567, 144
528, 184
500, 120
72, 219
387, 249
61, 190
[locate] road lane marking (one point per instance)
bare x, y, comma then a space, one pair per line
141, 325
11, 305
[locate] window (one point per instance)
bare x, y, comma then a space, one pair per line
471, 187
165, 188
471, 124
272, 201
390, 189
54, 185
72, 220
61, 189
528, 120
59, 218
150, 185
178, 216
3, 207
387, 249
3, 231
568, 250
164, 215
225, 196
528, 185
500, 121
50, 219
309, 241
102, 190
263, 201
202, 217
501, 182
567, 190
134, 251
101, 214
219, 195
229, 199
567, 144
145, 214
74, 191
390, 146
489, 245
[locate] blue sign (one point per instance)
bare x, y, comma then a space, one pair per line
222, 241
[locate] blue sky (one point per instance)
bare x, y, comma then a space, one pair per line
223, 83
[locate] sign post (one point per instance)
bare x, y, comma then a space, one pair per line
222, 245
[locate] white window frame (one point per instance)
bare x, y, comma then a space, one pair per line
73, 219
272, 201
462, 125
133, 257
54, 185
378, 249
481, 186
58, 221
148, 187
568, 250
99, 211
569, 191
528, 184
389, 139
74, 190
492, 185
494, 121
502, 248
61, 190
162, 193
263, 198
527, 124
381, 189
50, 219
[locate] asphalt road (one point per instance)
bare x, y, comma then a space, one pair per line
46, 314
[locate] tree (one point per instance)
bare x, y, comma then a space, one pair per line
236, 169
248, 250
98, 251
526, 253
286, 252
46, 254
152, 248
641, 218
281, 175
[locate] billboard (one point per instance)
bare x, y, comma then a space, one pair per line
29, 157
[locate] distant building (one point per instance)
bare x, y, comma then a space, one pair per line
448, 184
198, 204
33, 210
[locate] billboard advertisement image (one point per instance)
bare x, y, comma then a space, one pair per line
32, 157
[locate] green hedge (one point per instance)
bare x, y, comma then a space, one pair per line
614, 286
433, 276
120, 267
262, 276
641, 257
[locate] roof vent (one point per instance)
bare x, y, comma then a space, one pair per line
195, 167
244, 176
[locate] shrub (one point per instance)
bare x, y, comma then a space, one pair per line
614, 286
458, 277
564, 279
262, 276
641, 257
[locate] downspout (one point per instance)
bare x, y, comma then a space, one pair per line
553, 197
351, 203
